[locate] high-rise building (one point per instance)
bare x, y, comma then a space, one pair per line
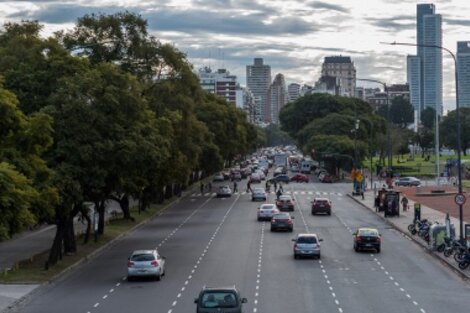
277, 98
293, 91
220, 83
246, 102
463, 68
413, 74
258, 80
428, 32
342, 68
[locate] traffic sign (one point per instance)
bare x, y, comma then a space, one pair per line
460, 199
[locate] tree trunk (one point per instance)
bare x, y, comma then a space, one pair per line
55, 254
99, 206
124, 204
70, 244
86, 238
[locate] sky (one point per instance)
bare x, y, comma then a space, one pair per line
293, 36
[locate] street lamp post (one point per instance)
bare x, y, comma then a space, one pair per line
389, 140
457, 105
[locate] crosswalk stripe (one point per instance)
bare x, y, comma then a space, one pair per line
310, 193
244, 192
302, 193
340, 194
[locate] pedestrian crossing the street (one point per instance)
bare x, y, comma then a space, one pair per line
311, 193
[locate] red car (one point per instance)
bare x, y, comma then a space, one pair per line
321, 205
285, 203
300, 178
327, 179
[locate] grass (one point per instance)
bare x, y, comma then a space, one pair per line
33, 270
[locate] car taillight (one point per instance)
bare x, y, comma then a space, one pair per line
378, 239
289, 222
154, 263
358, 238
130, 264
273, 211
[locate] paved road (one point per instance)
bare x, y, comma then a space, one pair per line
210, 241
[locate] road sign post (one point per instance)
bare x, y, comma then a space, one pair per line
460, 199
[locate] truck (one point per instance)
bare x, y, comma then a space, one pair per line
306, 166
280, 159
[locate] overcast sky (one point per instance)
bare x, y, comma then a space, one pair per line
293, 36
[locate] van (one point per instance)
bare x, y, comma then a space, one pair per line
305, 167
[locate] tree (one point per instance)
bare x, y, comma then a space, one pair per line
425, 139
275, 136
401, 112
448, 133
428, 117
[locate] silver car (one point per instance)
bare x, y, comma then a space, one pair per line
224, 191
266, 212
145, 263
307, 245
258, 194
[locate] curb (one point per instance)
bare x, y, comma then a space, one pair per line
443, 260
85, 259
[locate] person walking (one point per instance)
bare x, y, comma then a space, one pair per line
209, 186
278, 193
248, 186
280, 187
235, 186
202, 187
404, 203
275, 185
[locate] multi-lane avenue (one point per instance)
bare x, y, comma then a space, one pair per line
218, 242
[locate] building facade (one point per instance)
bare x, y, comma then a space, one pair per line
293, 92
463, 68
342, 68
258, 80
220, 83
277, 98
427, 63
246, 102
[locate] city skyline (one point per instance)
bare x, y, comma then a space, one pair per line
292, 36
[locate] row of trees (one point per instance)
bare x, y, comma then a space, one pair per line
104, 111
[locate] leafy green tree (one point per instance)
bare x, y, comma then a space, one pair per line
425, 139
448, 133
428, 117
401, 112
275, 136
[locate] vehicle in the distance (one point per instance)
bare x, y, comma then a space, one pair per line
224, 191
326, 178
255, 178
305, 167
145, 263
285, 203
280, 159
321, 205
218, 177
219, 299
280, 178
307, 245
266, 212
258, 194
407, 181
237, 176
367, 238
299, 178
294, 168
282, 221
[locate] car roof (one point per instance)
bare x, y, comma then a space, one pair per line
321, 199
307, 235
144, 251
226, 288
368, 228
285, 197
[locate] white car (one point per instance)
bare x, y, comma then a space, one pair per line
258, 194
224, 191
266, 212
255, 178
145, 263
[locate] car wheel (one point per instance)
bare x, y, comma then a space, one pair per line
291, 230
296, 256
130, 278
313, 213
356, 249
158, 277
329, 213
319, 256
272, 229
378, 250
259, 220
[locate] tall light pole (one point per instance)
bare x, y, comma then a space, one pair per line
389, 140
457, 105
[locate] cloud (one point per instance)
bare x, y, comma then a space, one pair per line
206, 22
329, 6
395, 23
457, 22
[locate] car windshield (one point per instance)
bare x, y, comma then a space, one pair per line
142, 257
284, 198
307, 239
258, 190
267, 207
219, 299
368, 232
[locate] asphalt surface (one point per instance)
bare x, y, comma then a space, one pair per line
218, 242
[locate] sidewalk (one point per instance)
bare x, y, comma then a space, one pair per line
401, 224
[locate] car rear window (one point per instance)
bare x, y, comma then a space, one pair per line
142, 257
368, 232
267, 207
322, 201
282, 216
309, 239
219, 299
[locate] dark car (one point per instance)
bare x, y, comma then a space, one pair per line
299, 178
282, 221
280, 178
367, 239
285, 203
326, 178
223, 299
321, 205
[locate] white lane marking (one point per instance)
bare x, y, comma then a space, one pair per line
118, 284
179, 295
96, 304
415, 303
105, 296
174, 303
111, 290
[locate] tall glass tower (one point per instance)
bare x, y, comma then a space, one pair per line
463, 65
